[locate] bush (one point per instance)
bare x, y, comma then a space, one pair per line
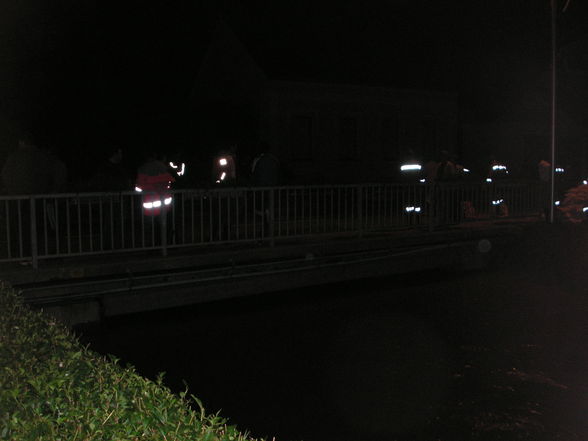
53, 388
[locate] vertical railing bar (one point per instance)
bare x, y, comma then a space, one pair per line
237, 217
45, 230
90, 224
132, 211
68, 225
57, 223
79, 213
122, 221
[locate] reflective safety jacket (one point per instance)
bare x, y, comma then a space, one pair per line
154, 182
224, 169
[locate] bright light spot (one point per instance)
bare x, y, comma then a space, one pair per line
156, 204
497, 202
559, 170
499, 167
223, 161
223, 175
138, 189
417, 209
466, 170
556, 202
584, 210
148, 205
423, 180
585, 182
410, 167
411, 209
172, 165
167, 201
182, 169
217, 181
488, 179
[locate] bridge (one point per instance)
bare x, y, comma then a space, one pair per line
93, 255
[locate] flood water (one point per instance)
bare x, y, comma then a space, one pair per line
493, 354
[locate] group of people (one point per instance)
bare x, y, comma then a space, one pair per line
32, 170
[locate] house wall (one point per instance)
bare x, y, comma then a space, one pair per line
356, 133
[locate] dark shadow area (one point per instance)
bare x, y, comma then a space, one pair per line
497, 354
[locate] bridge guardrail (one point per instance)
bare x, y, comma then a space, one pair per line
73, 224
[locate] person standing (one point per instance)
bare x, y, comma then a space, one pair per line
26, 169
111, 174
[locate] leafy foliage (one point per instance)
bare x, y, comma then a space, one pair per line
574, 203
53, 388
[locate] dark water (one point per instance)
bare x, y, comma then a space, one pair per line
499, 354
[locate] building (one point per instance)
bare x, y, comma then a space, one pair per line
322, 132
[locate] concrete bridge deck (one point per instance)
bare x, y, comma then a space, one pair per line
90, 288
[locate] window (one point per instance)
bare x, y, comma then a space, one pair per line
348, 146
301, 128
429, 146
389, 131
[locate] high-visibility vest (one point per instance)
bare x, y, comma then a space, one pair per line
155, 190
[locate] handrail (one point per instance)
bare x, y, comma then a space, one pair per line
36, 227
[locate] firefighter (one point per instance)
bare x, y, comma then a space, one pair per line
224, 170
154, 182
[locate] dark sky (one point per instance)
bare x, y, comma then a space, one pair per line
93, 69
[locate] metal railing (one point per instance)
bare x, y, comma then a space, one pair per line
63, 225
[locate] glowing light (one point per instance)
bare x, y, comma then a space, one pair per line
466, 170
138, 189
223, 161
423, 180
222, 176
584, 210
410, 167
559, 170
497, 202
167, 201
182, 168
556, 203
488, 179
585, 182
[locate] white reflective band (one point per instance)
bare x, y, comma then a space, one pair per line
222, 177
556, 202
559, 170
222, 161
585, 182
466, 170
182, 169
139, 189
417, 209
498, 167
172, 165
156, 204
497, 202
423, 180
584, 210
409, 209
408, 167
167, 201
148, 205
488, 179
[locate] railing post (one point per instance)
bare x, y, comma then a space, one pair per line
359, 201
432, 190
271, 217
163, 230
33, 232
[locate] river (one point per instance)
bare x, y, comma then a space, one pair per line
492, 354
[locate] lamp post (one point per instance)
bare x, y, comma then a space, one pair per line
553, 103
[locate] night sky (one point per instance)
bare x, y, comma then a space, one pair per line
84, 73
